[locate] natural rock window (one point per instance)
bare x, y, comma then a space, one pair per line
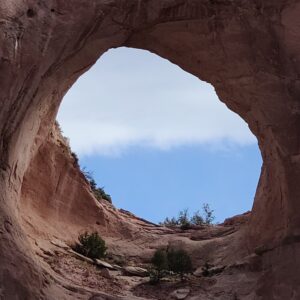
249, 52
153, 135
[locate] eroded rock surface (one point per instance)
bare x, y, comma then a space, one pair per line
248, 50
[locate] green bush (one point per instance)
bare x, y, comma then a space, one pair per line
208, 214
159, 263
93, 184
197, 219
169, 222
183, 219
90, 245
164, 261
98, 192
185, 222
179, 262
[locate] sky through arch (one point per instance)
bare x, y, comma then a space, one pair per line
158, 139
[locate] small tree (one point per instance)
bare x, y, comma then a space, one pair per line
93, 184
89, 177
179, 262
208, 214
91, 245
183, 219
159, 262
197, 219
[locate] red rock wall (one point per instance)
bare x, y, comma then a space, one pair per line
249, 51
56, 200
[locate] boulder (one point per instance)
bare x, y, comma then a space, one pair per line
106, 273
180, 294
136, 271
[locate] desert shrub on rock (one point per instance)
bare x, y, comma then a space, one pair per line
76, 159
169, 222
182, 220
159, 267
98, 192
179, 262
208, 214
170, 261
185, 222
197, 219
101, 194
90, 245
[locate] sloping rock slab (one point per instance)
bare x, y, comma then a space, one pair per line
104, 264
60, 244
136, 271
81, 257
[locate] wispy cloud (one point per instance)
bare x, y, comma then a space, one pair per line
134, 98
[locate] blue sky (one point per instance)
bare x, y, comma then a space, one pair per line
158, 139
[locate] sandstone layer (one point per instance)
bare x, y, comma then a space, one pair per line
57, 204
248, 50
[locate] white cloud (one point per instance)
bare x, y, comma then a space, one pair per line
134, 98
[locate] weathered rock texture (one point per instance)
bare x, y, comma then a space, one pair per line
248, 50
56, 199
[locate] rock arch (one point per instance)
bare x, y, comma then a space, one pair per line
249, 51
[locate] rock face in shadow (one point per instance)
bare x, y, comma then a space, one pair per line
248, 50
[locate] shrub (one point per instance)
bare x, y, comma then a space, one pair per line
91, 245
197, 219
154, 276
169, 222
185, 222
93, 184
159, 263
163, 261
179, 262
99, 193
89, 177
75, 157
183, 219
208, 214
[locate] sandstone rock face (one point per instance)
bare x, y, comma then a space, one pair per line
248, 50
56, 195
